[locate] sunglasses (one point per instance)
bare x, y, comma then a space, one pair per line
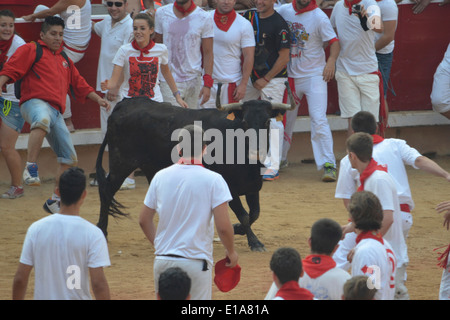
117, 4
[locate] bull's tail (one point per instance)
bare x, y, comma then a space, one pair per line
109, 205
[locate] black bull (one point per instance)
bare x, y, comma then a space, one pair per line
139, 135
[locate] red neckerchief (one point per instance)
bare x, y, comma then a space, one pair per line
292, 291
350, 3
369, 235
190, 161
224, 21
311, 6
371, 168
377, 139
184, 11
316, 265
145, 50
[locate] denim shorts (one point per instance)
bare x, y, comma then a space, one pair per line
39, 114
384, 65
10, 114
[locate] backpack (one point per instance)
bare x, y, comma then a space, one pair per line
18, 83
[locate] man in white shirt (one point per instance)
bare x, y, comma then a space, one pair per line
440, 94
373, 256
357, 65
308, 69
375, 178
115, 30
184, 234
188, 32
65, 250
233, 39
321, 276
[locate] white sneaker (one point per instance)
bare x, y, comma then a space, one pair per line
31, 176
128, 184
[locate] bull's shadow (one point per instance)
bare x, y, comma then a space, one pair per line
139, 135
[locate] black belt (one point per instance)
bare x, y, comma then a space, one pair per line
205, 263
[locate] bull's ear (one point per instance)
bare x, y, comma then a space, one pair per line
278, 113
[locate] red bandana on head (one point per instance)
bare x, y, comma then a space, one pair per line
316, 265
184, 11
350, 4
311, 6
224, 21
145, 50
371, 168
369, 235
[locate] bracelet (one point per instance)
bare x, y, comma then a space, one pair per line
265, 79
176, 92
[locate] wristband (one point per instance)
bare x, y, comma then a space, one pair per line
265, 79
176, 92
208, 81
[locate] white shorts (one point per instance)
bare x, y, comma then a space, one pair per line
440, 94
201, 281
189, 90
358, 93
444, 289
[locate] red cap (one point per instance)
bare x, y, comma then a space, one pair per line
226, 278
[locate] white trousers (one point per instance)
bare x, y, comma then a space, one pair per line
273, 92
201, 281
189, 91
315, 89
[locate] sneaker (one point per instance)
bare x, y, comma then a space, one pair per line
284, 164
51, 206
128, 185
31, 176
13, 193
94, 183
329, 174
271, 175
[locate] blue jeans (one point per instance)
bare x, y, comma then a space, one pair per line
10, 114
384, 65
39, 114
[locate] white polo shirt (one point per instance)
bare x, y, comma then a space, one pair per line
113, 37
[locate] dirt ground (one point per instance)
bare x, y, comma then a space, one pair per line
289, 207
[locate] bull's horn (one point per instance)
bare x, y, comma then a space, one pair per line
227, 107
291, 99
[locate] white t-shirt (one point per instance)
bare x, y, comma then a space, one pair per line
62, 248
389, 12
357, 55
227, 49
394, 153
183, 38
78, 25
383, 186
309, 31
373, 259
186, 223
113, 37
328, 286
16, 43
141, 78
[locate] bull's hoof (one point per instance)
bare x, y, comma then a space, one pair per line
239, 229
258, 247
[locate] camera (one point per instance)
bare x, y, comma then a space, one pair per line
356, 8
